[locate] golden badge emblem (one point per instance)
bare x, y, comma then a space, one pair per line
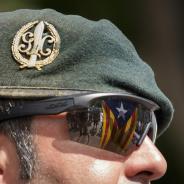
36, 44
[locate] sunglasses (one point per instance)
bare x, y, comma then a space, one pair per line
111, 121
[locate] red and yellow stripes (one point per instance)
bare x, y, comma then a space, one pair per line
129, 130
110, 130
109, 125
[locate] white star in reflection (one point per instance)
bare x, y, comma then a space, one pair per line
122, 111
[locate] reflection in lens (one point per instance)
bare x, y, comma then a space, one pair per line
111, 124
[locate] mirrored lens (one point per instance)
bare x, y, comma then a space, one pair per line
113, 124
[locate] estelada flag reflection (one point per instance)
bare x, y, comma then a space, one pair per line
119, 122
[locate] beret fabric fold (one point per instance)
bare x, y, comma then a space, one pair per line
94, 55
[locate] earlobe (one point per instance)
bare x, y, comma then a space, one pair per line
2, 162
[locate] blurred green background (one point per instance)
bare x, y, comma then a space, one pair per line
155, 28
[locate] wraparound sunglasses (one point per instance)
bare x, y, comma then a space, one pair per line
111, 121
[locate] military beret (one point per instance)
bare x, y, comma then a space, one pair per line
46, 53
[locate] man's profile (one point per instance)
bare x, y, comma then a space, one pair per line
77, 103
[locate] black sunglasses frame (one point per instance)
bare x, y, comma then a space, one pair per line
17, 108
56, 105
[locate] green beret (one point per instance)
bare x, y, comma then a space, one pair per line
88, 56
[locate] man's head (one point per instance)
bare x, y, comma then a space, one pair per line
83, 108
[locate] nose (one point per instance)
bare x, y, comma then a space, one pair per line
146, 162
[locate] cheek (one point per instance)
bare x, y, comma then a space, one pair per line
104, 170
74, 163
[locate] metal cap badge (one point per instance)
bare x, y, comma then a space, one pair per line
36, 44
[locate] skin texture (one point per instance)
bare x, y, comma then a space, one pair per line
9, 164
61, 161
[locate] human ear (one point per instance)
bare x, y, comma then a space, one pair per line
2, 159
9, 167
